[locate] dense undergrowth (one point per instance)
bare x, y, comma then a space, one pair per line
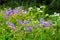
32, 24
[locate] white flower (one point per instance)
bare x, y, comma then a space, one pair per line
30, 8
56, 14
24, 11
38, 9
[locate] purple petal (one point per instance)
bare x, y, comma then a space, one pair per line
41, 19
20, 21
42, 22
15, 11
30, 28
12, 25
4, 16
47, 23
8, 13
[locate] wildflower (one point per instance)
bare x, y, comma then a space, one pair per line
56, 14
10, 9
46, 23
20, 21
42, 21
4, 16
12, 25
24, 11
15, 11
8, 13
30, 8
38, 9
30, 28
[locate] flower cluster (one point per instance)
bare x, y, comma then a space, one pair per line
45, 23
56, 14
27, 24
11, 24
15, 11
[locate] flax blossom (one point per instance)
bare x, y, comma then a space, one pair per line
10, 9
8, 13
20, 21
15, 11
30, 28
46, 23
12, 25
42, 21
4, 17
30, 8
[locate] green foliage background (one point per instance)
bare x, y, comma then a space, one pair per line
52, 5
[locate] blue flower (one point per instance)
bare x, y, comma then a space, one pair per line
42, 22
41, 19
12, 25
20, 21
30, 28
10, 9
46, 23
15, 11
8, 13
4, 16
